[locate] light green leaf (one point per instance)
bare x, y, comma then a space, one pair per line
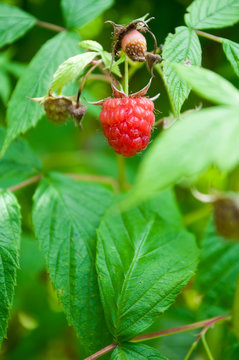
217, 274
18, 163
91, 45
107, 58
10, 230
183, 46
22, 114
14, 23
143, 262
78, 13
71, 69
65, 215
208, 84
129, 351
231, 49
206, 14
188, 148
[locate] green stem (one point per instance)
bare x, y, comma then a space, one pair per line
126, 76
194, 345
235, 310
122, 179
209, 36
206, 347
50, 26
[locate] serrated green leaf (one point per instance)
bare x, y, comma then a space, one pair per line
188, 148
14, 23
231, 49
206, 14
18, 163
78, 13
22, 114
208, 84
139, 250
71, 69
91, 45
183, 46
65, 215
136, 351
217, 274
10, 230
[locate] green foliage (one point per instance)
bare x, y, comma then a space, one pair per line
5, 87
78, 13
208, 84
146, 253
70, 69
19, 162
183, 46
14, 23
204, 14
231, 50
22, 113
217, 274
66, 214
91, 45
10, 229
188, 148
136, 351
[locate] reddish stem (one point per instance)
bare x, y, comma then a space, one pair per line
101, 352
25, 183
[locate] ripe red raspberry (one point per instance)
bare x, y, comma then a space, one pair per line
127, 123
134, 45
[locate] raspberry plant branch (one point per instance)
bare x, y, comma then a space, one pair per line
206, 347
209, 36
126, 76
102, 352
25, 183
50, 26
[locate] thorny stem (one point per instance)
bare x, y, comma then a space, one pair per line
50, 26
101, 352
209, 36
180, 329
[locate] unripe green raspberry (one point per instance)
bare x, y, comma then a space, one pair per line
56, 108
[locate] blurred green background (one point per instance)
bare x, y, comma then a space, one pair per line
38, 329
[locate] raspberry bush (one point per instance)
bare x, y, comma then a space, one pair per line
119, 217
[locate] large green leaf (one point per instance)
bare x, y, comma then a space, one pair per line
70, 69
5, 87
231, 49
218, 271
205, 14
66, 214
22, 113
18, 163
78, 13
143, 262
14, 23
129, 351
208, 84
183, 46
188, 148
10, 230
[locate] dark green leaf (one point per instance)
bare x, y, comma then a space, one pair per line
78, 13
231, 49
5, 87
22, 114
10, 230
217, 274
208, 84
66, 214
143, 262
14, 23
19, 162
181, 47
188, 148
136, 351
206, 14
